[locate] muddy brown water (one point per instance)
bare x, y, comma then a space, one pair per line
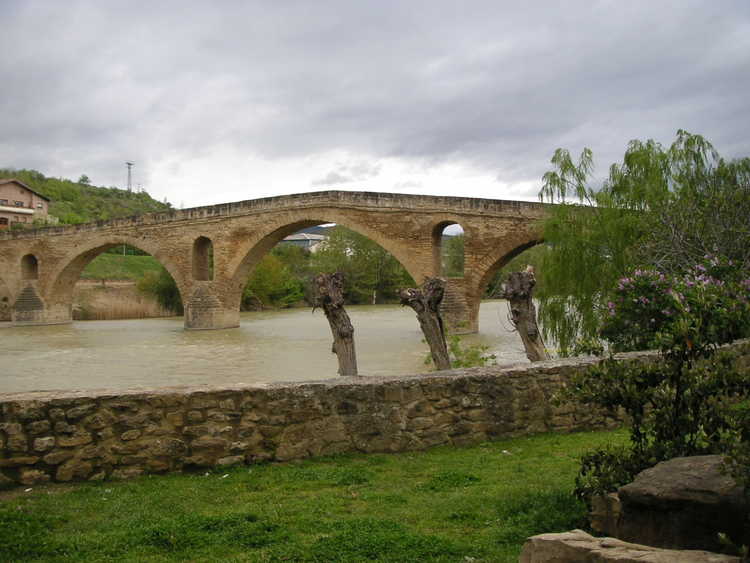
288, 345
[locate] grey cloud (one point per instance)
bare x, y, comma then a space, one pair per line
350, 172
498, 85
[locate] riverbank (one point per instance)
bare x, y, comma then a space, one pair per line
445, 504
108, 299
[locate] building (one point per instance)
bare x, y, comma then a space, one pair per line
308, 241
20, 204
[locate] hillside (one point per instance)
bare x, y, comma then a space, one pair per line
74, 202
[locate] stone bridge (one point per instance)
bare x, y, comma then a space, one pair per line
39, 268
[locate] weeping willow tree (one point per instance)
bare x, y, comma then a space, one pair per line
660, 208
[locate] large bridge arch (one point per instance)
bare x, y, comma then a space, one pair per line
250, 250
58, 293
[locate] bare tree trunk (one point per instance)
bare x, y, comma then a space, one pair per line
426, 302
330, 297
518, 291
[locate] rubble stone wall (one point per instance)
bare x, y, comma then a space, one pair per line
98, 435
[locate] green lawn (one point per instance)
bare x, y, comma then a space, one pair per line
446, 504
119, 267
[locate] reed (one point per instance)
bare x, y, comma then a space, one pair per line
112, 300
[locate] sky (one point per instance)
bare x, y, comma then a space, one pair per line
225, 101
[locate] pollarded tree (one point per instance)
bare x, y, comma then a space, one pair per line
664, 208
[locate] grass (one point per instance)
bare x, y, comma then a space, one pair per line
446, 504
118, 267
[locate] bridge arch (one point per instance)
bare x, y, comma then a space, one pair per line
502, 261
254, 248
63, 279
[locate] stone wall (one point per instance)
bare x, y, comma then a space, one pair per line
97, 435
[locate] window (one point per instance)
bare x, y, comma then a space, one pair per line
203, 259
40, 206
18, 203
29, 267
16, 219
3, 221
3, 202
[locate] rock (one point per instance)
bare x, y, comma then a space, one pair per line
605, 514
78, 438
684, 503
18, 461
77, 412
73, 469
32, 476
53, 458
578, 546
127, 473
44, 444
230, 460
38, 427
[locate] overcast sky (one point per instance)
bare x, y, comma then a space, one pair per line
225, 101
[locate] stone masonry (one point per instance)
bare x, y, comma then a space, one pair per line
99, 435
39, 268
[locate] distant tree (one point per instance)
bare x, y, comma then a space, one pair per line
162, 286
272, 284
452, 256
80, 202
372, 274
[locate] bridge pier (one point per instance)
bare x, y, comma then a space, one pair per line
29, 309
459, 310
205, 311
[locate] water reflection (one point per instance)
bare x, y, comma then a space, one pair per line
290, 345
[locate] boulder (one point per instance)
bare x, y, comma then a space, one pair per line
579, 547
684, 503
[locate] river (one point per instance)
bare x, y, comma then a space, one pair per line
288, 345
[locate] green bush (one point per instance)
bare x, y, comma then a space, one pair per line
684, 401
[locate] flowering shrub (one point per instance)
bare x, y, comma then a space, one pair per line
689, 314
681, 403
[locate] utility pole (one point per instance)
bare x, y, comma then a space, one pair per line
130, 178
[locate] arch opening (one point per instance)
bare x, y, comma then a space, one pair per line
29, 267
278, 271
118, 280
527, 254
203, 259
448, 249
